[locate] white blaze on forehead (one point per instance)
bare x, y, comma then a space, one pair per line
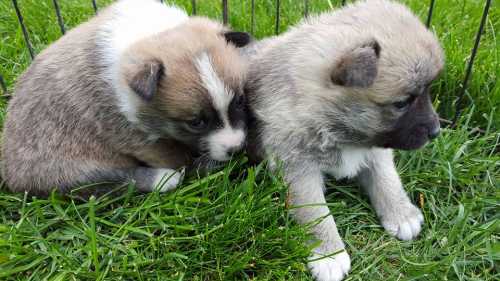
220, 94
226, 139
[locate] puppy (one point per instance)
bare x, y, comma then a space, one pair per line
333, 96
137, 93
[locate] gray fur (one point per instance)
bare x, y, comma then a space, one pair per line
72, 135
305, 119
64, 126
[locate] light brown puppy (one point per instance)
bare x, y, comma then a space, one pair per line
134, 94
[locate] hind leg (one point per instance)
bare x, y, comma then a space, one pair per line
68, 175
163, 154
39, 173
146, 179
166, 161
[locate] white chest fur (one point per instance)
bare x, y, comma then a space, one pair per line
349, 163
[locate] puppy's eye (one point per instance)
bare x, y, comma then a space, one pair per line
197, 124
401, 105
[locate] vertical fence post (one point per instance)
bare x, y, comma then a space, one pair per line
2, 84
59, 17
468, 72
224, 12
429, 15
193, 7
277, 27
23, 28
343, 2
94, 5
306, 8
252, 20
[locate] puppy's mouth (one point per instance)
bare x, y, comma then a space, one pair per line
413, 145
205, 162
227, 155
411, 139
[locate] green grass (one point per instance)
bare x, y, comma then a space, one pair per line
233, 224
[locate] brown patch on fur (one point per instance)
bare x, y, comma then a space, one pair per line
181, 94
63, 125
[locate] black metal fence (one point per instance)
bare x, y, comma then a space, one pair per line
225, 18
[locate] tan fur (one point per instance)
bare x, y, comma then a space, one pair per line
182, 94
63, 126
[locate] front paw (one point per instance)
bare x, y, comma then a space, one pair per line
167, 179
405, 223
332, 268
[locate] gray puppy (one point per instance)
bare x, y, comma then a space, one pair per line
133, 94
333, 96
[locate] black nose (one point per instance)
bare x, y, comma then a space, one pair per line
433, 133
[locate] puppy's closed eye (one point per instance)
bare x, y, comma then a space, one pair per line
402, 105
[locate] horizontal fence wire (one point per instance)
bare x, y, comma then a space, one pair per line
468, 72
23, 28
224, 12
59, 17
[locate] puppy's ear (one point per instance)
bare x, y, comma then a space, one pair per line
145, 79
358, 67
238, 39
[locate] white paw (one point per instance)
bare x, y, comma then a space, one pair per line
167, 179
405, 224
333, 268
